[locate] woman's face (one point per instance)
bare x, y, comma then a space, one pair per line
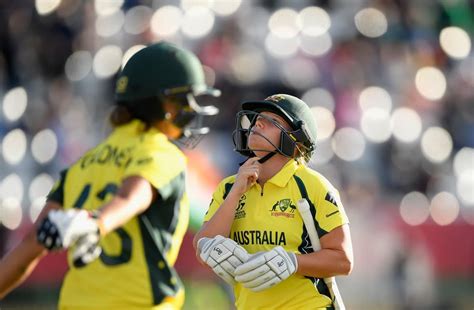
166, 126
265, 126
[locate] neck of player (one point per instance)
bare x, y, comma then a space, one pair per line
271, 166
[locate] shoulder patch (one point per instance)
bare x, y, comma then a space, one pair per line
329, 197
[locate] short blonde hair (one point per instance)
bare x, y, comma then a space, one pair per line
302, 155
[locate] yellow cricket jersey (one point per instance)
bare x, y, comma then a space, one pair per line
135, 269
267, 217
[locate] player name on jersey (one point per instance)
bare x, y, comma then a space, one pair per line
107, 154
271, 237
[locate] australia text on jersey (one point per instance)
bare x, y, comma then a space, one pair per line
271, 237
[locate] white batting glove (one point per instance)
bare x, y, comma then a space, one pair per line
223, 255
86, 250
63, 229
266, 269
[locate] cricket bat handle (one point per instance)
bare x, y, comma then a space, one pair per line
303, 208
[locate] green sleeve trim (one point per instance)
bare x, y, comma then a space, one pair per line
57, 192
304, 194
227, 188
157, 227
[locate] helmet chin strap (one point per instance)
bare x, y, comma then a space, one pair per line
267, 157
261, 160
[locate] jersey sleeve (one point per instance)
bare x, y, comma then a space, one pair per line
161, 169
218, 197
330, 212
57, 191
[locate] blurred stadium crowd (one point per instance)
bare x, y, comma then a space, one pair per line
391, 85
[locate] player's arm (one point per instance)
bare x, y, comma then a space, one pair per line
133, 197
18, 264
82, 229
335, 257
221, 221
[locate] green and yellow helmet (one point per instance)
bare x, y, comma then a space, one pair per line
164, 71
161, 69
295, 112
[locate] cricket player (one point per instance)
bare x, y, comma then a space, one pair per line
253, 235
121, 210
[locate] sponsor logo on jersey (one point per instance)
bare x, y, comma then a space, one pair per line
332, 213
271, 237
144, 161
240, 212
284, 208
330, 197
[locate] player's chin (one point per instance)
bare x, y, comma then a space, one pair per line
255, 144
261, 148
256, 141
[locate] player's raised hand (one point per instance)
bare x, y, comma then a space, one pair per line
223, 255
247, 175
266, 269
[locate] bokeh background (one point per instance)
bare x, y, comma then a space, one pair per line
390, 83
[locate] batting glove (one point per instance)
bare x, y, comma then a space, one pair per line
62, 229
266, 269
86, 250
223, 255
